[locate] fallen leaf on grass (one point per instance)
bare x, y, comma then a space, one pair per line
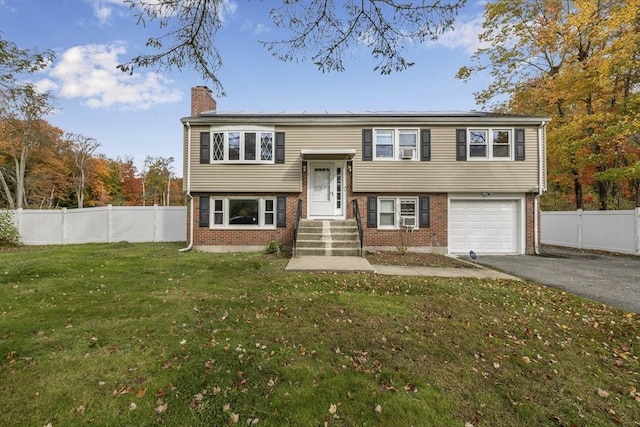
603, 393
80, 409
411, 387
253, 421
333, 408
120, 392
226, 407
161, 409
141, 392
378, 409
133, 406
234, 418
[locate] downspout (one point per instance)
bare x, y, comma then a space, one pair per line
189, 196
541, 189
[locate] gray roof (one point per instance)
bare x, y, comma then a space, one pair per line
345, 117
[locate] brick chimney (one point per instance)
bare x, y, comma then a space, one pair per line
201, 100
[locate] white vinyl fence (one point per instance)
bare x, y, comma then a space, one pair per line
613, 231
102, 225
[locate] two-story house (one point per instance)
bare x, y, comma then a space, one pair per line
443, 182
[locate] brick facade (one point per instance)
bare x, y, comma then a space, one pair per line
210, 237
428, 239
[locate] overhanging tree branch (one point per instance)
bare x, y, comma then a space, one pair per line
325, 30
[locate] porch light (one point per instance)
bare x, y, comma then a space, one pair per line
304, 167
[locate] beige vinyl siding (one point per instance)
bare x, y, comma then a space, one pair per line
247, 178
444, 174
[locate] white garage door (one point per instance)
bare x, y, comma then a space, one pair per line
484, 226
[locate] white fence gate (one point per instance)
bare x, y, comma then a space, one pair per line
613, 231
102, 225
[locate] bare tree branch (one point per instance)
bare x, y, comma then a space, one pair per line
324, 29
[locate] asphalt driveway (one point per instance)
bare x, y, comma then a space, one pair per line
610, 279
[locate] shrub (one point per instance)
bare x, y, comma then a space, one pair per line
273, 247
8, 232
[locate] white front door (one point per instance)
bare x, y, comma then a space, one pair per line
326, 189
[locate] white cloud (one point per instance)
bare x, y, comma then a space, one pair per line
89, 73
102, 13
261, 29
463, 36
103, 9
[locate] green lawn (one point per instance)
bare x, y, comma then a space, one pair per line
141, 334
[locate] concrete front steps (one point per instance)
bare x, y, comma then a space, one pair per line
328, 238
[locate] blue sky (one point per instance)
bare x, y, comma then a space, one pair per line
140, 115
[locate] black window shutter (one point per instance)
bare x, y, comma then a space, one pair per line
424, 211
367, 144
425, 144
205, 147
281, 203
461, 144
279, 157
372, 212
519, 144
204, 211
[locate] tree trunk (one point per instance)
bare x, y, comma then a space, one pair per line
7, 191
603, 192
577, 188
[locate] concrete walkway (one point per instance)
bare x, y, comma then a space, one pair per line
361, 265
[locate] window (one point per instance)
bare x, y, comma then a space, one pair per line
491, 144
244, 212
397, 212
394, 144
242, 146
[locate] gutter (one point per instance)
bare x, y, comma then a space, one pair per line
541, 189
189, 196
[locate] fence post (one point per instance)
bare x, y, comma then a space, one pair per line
109, 219
155, 222
637, 221
63, 227
579, 225
17, 220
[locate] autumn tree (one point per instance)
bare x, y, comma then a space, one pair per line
156, 180
579, 63
21, 112
21, 109
48, 182
324, 30
82, 148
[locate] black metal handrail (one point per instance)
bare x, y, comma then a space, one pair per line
297, 223
356, 215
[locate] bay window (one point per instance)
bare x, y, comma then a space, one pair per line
255, 146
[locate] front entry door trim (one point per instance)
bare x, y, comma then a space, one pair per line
326, 188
